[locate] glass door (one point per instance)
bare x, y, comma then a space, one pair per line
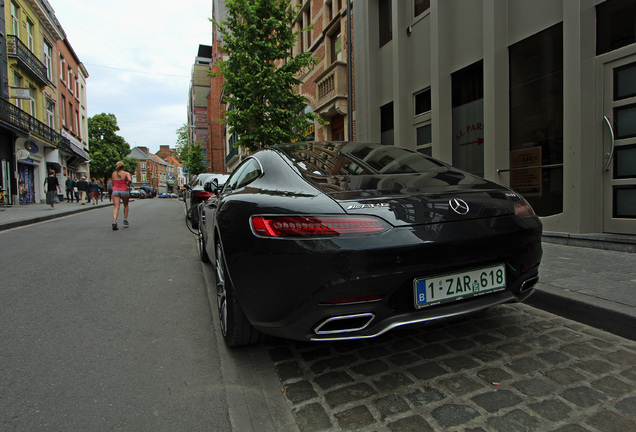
619, 146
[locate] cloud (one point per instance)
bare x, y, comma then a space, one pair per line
139, 55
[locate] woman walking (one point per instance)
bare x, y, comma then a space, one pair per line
52, 188
121, 182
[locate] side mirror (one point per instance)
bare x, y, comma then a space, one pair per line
211, 186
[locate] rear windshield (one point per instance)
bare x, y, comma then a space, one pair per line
351, 159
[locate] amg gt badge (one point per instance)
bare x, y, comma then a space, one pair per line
363, 206
459, 206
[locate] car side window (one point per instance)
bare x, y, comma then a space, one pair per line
247, 173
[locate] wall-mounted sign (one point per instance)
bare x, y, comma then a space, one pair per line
526, 181
31, 147
23, 154
19, 93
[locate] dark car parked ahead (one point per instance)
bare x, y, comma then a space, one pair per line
195, 194
335, 241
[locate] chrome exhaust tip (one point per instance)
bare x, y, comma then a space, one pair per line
344, 324
528, 284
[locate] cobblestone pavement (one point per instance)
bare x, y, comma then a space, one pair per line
512, 368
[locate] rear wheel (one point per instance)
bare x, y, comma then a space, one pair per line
235, 327
203, 254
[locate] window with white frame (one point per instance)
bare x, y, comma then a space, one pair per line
32, 107
15, 19
50, 113
62, 64
48, 60
29, 28
71, 123
63, 108
17, 82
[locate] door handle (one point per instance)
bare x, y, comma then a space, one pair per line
610, 156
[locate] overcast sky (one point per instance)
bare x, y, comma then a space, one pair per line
139, 55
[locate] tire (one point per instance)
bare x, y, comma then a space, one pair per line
235, 328
203, 254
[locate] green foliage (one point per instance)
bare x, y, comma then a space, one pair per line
106, 147
263, 108
190, 154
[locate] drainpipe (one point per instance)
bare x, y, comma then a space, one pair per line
349, 74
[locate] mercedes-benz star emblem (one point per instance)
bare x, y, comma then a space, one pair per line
459, 206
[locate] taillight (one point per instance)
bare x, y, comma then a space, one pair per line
316, 226
523, 209
203, 195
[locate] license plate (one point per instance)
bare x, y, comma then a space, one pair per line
439, 289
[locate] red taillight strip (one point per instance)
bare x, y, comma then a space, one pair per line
316, 226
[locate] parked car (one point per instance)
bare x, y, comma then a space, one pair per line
195, 194
335, 241
135, 193
150, 192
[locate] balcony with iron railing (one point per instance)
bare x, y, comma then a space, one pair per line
17, 49
14, 116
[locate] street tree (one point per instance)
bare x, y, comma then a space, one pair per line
190, 154
106, 147
260, 74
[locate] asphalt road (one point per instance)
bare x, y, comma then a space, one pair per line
107, 330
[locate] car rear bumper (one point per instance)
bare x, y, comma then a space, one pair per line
285, 286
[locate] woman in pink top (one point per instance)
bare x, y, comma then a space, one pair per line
121, 182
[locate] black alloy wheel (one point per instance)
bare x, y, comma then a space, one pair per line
203, 254
235, 327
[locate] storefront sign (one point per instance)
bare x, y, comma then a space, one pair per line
23, 154
526, 181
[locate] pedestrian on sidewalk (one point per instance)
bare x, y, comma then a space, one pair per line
93, 190
121, 183
109, 187
70, 189
52, 188
76, 190
82, 186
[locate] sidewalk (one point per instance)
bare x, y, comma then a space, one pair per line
590, 278
21, 215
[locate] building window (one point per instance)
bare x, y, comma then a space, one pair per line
306, 22
422, 102
48, 60
29, 28
17, 82
32, 106
15, 19
50, 113
468, 118
385, 24
615, 25
71, 123
63, 113
386, 124
62, 64
420, 6
536, 119
336, 46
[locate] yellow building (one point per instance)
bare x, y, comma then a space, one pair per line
30, 142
